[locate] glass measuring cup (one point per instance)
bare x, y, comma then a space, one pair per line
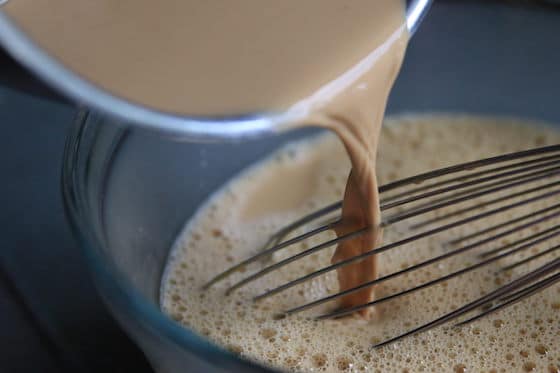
28, 53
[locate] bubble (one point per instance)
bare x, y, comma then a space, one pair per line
236, 349
498, 323
529, 366
541, 349
319, 360
344, 363
460, 368
268, 333
292, 362
177, 316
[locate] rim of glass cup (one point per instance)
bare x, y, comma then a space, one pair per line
70, 84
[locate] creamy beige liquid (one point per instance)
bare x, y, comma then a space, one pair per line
328, 63
236, 220
209, 57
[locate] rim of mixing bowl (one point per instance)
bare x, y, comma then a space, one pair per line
122, 294
47, 68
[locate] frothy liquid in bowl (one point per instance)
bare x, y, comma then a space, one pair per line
237, 219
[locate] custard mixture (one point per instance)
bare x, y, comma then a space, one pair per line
306, 175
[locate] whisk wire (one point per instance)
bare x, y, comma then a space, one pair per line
268, 252
529, 259
501, 225
436, 192
462, 178
487, 203
490, 297
516, 297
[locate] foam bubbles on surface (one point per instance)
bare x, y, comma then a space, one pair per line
524, 337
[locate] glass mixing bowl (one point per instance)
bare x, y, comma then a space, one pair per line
129, 191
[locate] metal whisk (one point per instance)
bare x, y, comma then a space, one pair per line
473, 191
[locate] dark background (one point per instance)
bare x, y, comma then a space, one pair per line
51, 319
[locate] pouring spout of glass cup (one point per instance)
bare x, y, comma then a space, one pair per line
415, 13
26, 52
